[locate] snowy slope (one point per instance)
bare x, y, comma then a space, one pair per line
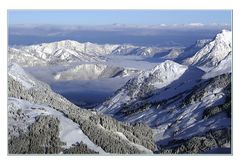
76, 124
187, 120
224, 66
188, 94
191, 50
24, 58
56, 52
93, 71
179, 54
146, 82
162, 75
173, 53
70, 133
18, 74
177, 112
137, 50
68, 51
174, 100
213, 52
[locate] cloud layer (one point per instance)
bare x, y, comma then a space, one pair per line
162, 34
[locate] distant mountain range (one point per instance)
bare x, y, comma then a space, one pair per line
182, 105
71, 51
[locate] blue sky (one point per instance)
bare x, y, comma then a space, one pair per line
103, 17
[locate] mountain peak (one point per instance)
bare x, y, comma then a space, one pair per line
62, 44
68, 42
213, 52
225, 31
168, 65
225, 35
160, 76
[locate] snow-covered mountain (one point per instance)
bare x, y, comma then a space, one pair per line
62, 51
205, 54
224, 66
69, 51
191, 50
18, 74
179, 54
177, 101
163, 75
182, 107
137, 50
94, 71
212, 53
41, 121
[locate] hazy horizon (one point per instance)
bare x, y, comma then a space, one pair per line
181, 35
137, 27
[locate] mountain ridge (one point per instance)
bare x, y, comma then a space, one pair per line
213, 52
178, 101
68, 51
